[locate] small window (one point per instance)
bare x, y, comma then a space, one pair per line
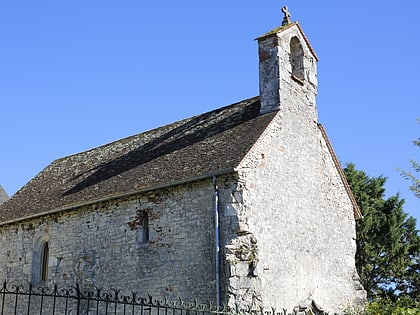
40, 258
296, 60
140, 223
145, 228
44, 261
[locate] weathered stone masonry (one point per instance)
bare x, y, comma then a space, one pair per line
97, 245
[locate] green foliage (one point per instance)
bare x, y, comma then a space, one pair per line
415, 165
388, 244
387, 307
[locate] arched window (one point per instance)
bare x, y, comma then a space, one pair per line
40, 258
296, 60
44, 261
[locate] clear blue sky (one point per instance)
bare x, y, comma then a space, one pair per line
78, 74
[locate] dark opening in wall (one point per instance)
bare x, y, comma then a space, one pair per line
141, 224
145, 232
40, 258
44, 261
296, 60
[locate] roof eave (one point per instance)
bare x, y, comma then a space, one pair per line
357, 212
119, 196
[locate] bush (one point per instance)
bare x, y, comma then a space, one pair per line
402, 306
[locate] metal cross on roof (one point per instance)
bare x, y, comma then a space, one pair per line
286, 18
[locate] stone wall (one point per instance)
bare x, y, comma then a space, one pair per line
297, 212
104, 244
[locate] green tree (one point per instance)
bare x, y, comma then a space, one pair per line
415, 186
386, 307
388, 244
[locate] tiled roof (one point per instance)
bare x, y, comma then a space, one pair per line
199, 146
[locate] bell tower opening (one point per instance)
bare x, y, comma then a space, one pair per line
296, 60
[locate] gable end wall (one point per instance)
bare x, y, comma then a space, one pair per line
299, 214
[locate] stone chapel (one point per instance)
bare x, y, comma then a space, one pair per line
245, 205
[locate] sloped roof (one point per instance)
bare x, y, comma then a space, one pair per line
356, 210
211, 143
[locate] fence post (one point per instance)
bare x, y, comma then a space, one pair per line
78, 299
3, 297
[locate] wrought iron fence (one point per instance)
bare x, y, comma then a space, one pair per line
18, 299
